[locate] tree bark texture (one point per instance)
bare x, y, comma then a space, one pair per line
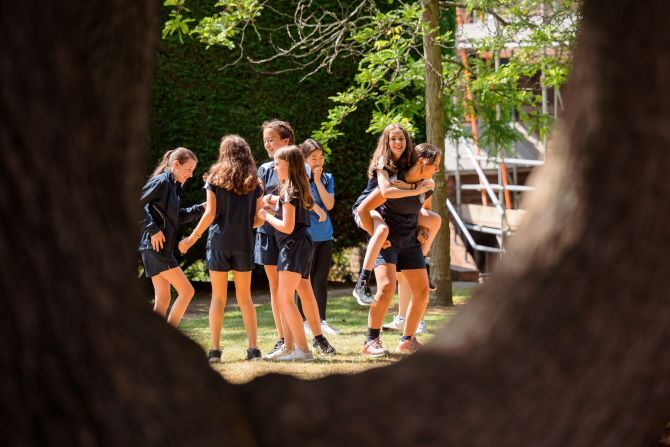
440, 254
565, 345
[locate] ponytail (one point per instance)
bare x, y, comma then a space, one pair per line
181, 154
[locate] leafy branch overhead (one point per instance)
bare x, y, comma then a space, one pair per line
385, 39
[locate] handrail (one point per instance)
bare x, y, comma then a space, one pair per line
467, 234
511, 161
487, 185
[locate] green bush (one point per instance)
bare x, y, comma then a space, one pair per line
195, 102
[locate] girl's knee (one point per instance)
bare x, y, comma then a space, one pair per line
187, 292
381, 230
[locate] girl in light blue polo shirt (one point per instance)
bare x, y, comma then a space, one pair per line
323, 191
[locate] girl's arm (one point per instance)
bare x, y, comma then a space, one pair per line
151, 192
393, 192
371, 202
327, 197
205, 221
259, 206
287, 224
319, 212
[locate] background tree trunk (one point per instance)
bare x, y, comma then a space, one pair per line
440, 255
566, 345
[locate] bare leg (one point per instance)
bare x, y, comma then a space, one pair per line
243, 294
273, 281
288, 281
161, 294
380, 233
404, 294
185, 292
418, 282
217, 306
432, 221
309, 306
386, 278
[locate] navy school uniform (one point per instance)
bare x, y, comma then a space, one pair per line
266, 251
373, 183
230, 241
295, 249
402, 217
265, 247
161, 208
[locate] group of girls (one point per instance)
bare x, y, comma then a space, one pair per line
395, 211
287, 199
278, 200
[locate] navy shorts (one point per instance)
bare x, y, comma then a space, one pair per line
266, 251
405, 253
156, 262
295, 255
227, 260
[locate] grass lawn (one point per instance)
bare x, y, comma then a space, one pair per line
343, 313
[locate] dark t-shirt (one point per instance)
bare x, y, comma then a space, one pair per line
232, 228
402, 214
301, 219
267, 173
373, 183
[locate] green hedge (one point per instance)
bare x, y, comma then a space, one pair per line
195, 102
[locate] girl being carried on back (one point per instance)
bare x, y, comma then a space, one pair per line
394, 152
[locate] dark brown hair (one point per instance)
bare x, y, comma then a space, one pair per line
297, 184
382, 155
427, 152
309, 145
235, 170
181, 154
283, 128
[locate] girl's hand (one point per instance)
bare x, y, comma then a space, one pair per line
320, 213
185, 244
400, 184
157, 241
386, 244
428, 184
262, 214
317, 171
422, 235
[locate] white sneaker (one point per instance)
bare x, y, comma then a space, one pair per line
328, 329
397, 324
308, 330
295, 356
421, 328
277, 351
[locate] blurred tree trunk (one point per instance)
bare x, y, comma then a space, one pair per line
566, 345
440, 256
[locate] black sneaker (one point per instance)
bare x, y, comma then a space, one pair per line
214, 356
253, 354
363, 294
323, 347
279, 346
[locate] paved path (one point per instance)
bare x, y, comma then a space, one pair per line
200, 305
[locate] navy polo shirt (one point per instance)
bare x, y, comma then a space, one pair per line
402, 214
301, 219
232, 228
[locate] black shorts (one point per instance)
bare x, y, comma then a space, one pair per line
156, 262
266, 251
295, 255
227, 260
405, 253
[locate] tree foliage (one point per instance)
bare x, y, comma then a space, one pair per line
534, 36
